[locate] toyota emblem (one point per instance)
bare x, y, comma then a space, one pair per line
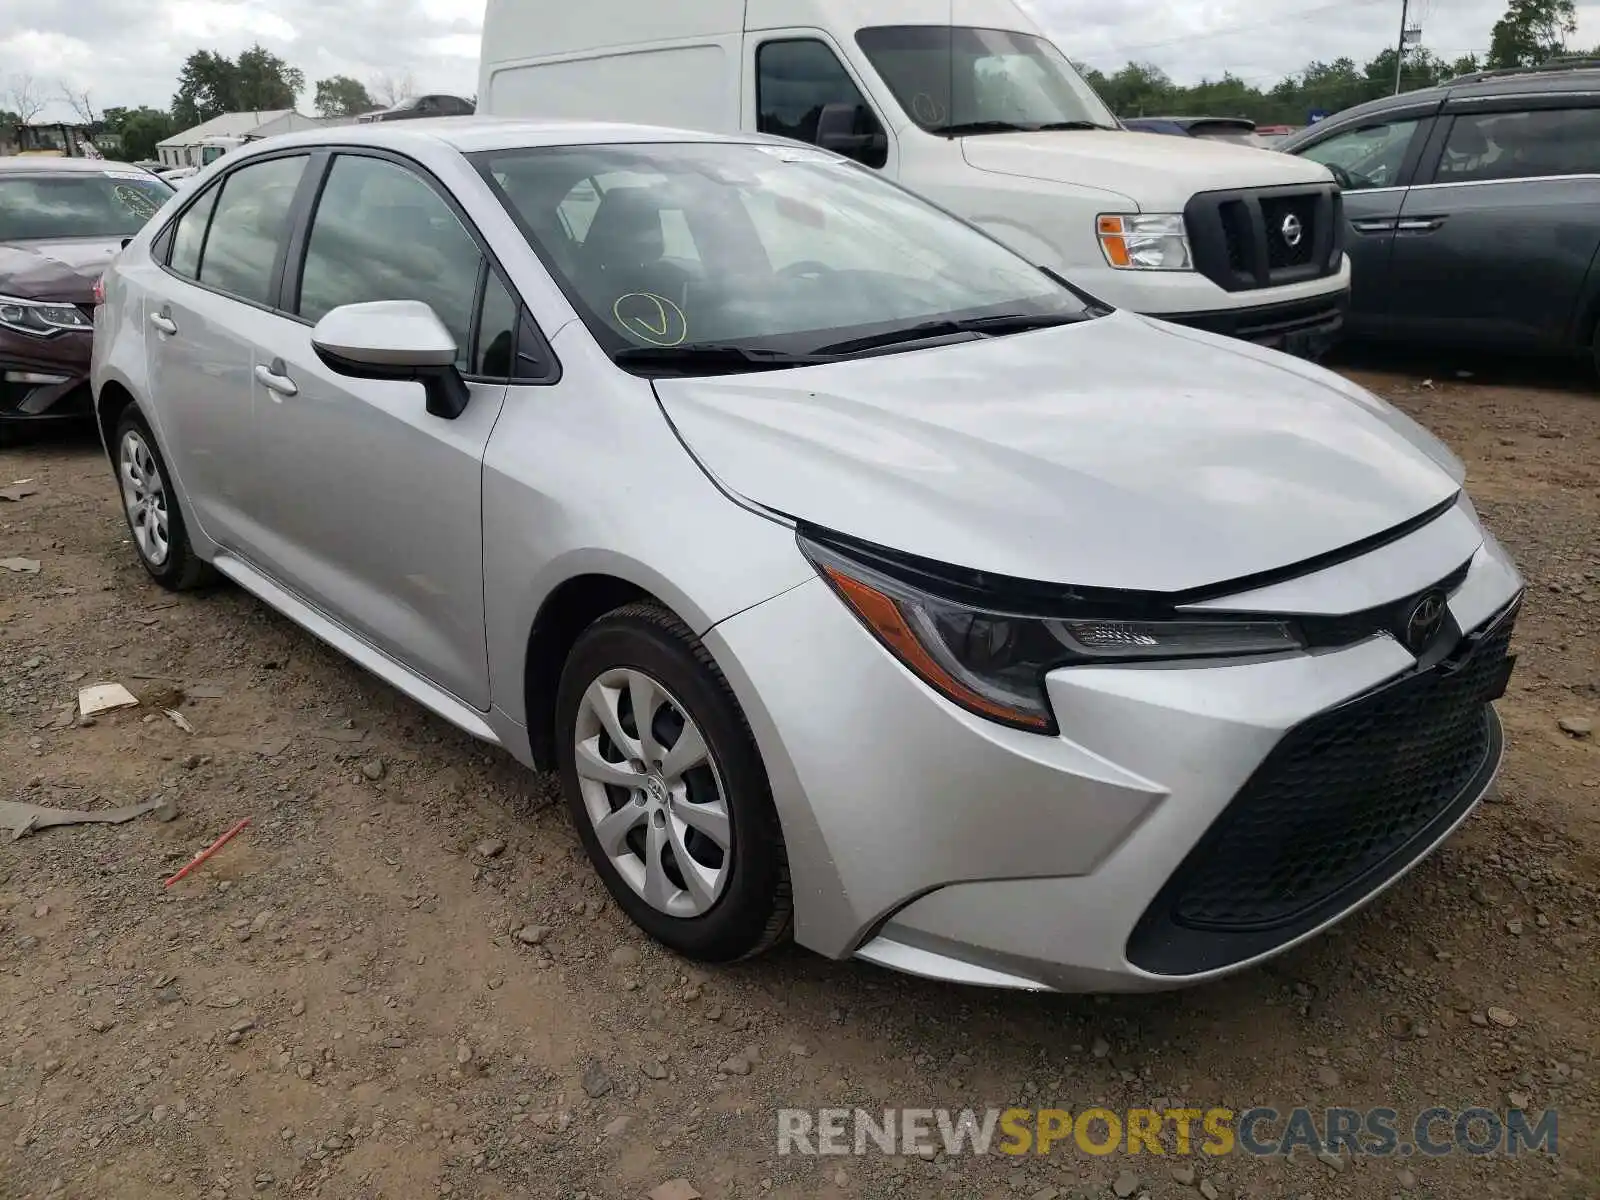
1425, 621
1293, 232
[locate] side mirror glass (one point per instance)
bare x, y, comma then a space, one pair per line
394, 340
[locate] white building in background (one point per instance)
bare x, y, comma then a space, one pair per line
184, 149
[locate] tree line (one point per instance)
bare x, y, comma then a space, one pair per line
210, 84
1531, 32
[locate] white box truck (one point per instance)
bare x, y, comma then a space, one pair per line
968, 103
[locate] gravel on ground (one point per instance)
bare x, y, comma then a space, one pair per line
402, 979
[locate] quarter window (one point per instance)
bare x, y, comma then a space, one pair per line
804, 92
497, 331
1520, 145
382, 233
1368, 157
248, 226
189, 235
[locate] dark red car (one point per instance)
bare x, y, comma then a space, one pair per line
61, 221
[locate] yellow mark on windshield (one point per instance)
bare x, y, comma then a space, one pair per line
651, 318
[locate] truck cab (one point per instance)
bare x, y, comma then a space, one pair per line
215, 146
972, 105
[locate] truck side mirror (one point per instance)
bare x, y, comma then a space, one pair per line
836, 131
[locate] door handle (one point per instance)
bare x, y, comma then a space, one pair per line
274, 380
1418, 224
164, 323
1374, 225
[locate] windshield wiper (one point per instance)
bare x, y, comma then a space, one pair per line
927, 330
713, 358
970, 127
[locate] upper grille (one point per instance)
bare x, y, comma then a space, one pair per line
1343, 802
1286, 217
1247, 239
1324, 632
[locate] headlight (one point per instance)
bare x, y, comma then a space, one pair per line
993, 662
41, 318
1145, 242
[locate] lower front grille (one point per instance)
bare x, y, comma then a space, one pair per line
35, 401
1343, 804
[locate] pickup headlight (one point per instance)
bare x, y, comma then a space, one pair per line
994, 663
41, 318
1145, 241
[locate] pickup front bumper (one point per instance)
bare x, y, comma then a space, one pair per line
1308, 328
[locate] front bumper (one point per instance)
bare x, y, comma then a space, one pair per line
1307, 328
44, 379
926, 839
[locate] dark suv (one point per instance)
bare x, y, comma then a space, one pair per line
1474, 209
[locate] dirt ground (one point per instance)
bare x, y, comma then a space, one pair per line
339, 1003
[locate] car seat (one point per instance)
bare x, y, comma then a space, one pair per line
623, 251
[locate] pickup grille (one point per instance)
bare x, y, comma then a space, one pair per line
1266, 237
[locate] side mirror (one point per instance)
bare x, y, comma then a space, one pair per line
836, 125
396, 340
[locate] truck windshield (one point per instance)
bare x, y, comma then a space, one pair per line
734, 256
957, 80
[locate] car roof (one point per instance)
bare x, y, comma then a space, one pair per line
1536, 81
21, 163
469, 135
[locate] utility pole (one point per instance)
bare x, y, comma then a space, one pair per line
1400, 49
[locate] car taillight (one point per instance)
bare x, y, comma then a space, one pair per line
100, 290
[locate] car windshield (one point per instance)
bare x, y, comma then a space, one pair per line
959, 80
108, 204
781, 249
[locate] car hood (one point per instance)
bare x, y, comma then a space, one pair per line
1159, 173
1116, 453
55, 270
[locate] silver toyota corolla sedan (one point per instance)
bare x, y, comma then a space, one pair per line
862, 580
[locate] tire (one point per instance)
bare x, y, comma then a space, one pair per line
736, 903
149, 509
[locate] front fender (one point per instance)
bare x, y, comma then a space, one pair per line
587, 477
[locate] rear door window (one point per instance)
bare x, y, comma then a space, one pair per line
1521, 145
248, 227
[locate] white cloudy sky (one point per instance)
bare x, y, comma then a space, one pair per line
128, 51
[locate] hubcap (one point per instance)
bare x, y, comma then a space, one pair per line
144, 494
652, 793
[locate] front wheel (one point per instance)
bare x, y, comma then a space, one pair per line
667, 789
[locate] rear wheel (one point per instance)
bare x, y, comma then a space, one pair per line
148, 501
667, 789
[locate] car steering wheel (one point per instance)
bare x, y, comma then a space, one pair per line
1350, 181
